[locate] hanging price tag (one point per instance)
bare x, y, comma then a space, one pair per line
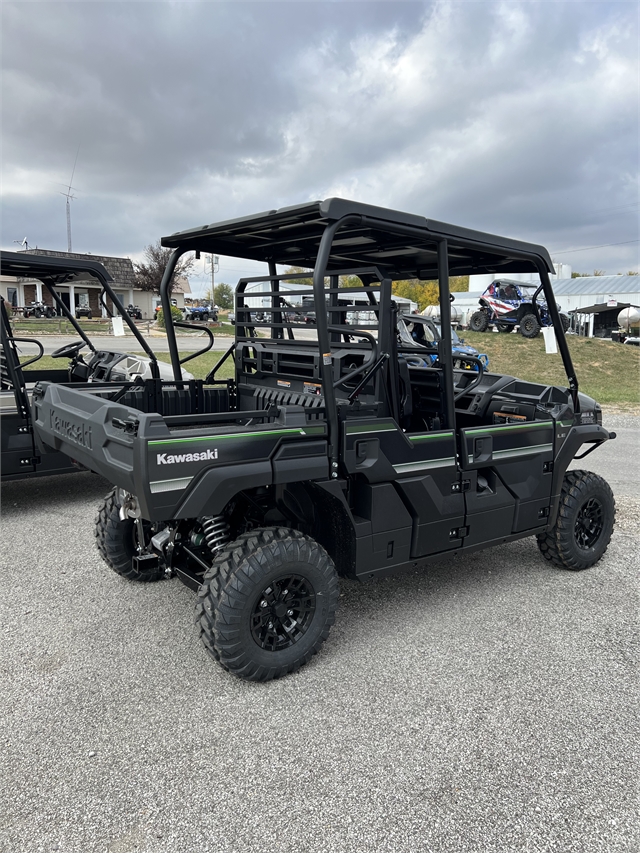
550, 343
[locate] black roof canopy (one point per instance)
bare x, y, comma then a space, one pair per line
24, 265
402, 245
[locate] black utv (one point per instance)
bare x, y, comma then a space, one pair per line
81, 362
330, 453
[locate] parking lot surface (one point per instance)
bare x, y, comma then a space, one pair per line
483, 703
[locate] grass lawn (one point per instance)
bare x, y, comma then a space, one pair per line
607, 371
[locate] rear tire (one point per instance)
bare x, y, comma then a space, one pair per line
529, 326
584, 524
267, 604
116, 541
479, 322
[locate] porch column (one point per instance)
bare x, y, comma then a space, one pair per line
38, 290
72, 299
130, 302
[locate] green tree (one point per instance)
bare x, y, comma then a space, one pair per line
299, 271
223, 296
427, 292
149, 274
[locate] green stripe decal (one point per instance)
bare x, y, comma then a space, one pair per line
429, 436
268, 433
361, 429
511, 427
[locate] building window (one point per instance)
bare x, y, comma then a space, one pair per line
12, 296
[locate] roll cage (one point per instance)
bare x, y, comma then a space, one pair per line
339, 237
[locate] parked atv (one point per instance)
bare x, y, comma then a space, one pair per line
507, 304
38, 310
415, 329
203, 313
83, 311
134, 312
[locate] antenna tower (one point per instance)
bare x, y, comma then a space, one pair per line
69, 196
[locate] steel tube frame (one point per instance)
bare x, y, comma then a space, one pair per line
165, 301
319, 272
444, 345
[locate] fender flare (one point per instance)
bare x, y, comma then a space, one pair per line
577, 437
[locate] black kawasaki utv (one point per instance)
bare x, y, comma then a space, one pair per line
328, 454
20, 454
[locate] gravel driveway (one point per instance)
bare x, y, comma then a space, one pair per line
487, 703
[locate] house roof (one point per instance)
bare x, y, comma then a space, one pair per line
120, 269
597, 284
402, 245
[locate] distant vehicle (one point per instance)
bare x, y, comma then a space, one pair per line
507, 303
417, 329
232, 318
134, 312
38, 309
83, 311
203, 313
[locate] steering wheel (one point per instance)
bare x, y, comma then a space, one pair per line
68, 350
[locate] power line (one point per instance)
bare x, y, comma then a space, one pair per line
586, 248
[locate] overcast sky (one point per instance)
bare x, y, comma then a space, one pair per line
519, 118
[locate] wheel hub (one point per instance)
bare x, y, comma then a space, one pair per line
283, 613
589, 524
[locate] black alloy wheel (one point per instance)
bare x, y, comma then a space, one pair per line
283, 613
529, 326
589, 524
267, 603
479, 321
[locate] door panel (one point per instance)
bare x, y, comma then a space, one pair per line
510, 478
423, 469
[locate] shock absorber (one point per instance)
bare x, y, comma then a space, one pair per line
216, 532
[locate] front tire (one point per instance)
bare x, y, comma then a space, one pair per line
529, 326
267, 604
584, 524
479, 321
117, 542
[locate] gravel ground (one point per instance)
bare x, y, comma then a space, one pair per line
483, 704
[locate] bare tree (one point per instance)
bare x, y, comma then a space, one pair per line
149, 274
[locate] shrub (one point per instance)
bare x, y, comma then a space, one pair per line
176, 313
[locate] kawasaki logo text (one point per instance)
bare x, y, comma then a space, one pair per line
78, 433
170, 459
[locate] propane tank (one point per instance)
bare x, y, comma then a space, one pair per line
629, 319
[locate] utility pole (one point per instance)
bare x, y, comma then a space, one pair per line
215, 266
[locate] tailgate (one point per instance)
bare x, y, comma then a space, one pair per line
88, 428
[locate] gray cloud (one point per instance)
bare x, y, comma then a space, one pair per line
518, 118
